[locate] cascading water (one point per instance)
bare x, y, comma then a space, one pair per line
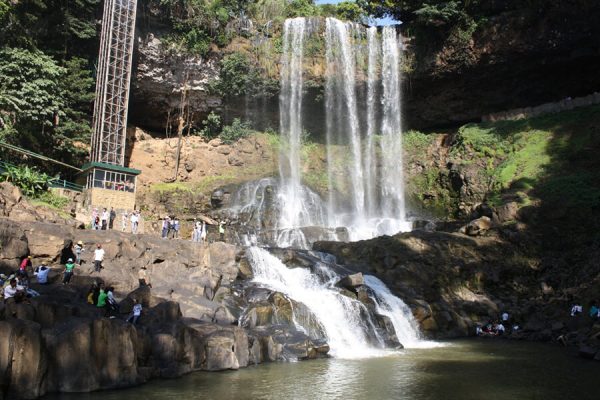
363, 133
345, 322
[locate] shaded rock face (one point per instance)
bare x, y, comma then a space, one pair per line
534, 56
164, 80
450, 281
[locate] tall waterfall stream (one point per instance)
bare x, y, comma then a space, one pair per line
365, 197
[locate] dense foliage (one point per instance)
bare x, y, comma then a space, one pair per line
29, 180
47, 53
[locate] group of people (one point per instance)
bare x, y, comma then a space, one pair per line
593, 312
14, 289
170, 228
497, 327
105, 220
200, 232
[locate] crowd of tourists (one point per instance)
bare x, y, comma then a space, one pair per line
171, 227
15, 288
105, 220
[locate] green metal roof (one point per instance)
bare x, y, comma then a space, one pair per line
110, 167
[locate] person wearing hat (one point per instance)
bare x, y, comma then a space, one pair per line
41, 273
78, 251
69, 267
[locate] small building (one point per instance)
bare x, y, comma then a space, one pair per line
109, 185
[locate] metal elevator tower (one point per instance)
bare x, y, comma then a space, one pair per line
112, 82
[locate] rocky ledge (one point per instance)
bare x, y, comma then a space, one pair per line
57, 342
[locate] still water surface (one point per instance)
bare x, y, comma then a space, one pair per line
469, 369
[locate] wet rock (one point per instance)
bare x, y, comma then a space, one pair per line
352, 281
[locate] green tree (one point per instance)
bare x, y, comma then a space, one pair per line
349, 10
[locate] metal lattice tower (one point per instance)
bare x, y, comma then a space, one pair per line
112, 83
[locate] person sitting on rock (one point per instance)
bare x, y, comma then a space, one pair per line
594, 311
14, 291
135, 313
576, 309
41, 273
478, 330
69, 268
143, 278
499, 329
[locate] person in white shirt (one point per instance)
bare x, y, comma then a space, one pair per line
135, 219
98, 257
576, 309
104, 219
504, 317
136, 312
13, 290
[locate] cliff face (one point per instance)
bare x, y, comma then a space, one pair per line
515, 59
165, 82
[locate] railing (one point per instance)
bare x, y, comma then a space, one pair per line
61, 183
53, 183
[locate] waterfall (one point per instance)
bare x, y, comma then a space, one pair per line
398, 312
345, 322
392, 179
341, 71
370, 156
290, 116
363, 132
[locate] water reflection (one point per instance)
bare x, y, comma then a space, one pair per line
490, 370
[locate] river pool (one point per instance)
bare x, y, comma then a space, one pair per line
466, 369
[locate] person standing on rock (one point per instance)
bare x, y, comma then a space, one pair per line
69, 268
98, 257
135, 219
102, 296
124, 218
95, 219
78, 250
135, 313
222, 230
26, 263
176, 228
165, 227
143, 278
204, 233
104, 219
13, 293
111, 218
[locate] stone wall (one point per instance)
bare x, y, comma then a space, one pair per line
106, 198
546, 108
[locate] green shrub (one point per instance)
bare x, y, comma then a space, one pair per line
29, 180
301, 8
53, 200
212, 125
235, 131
